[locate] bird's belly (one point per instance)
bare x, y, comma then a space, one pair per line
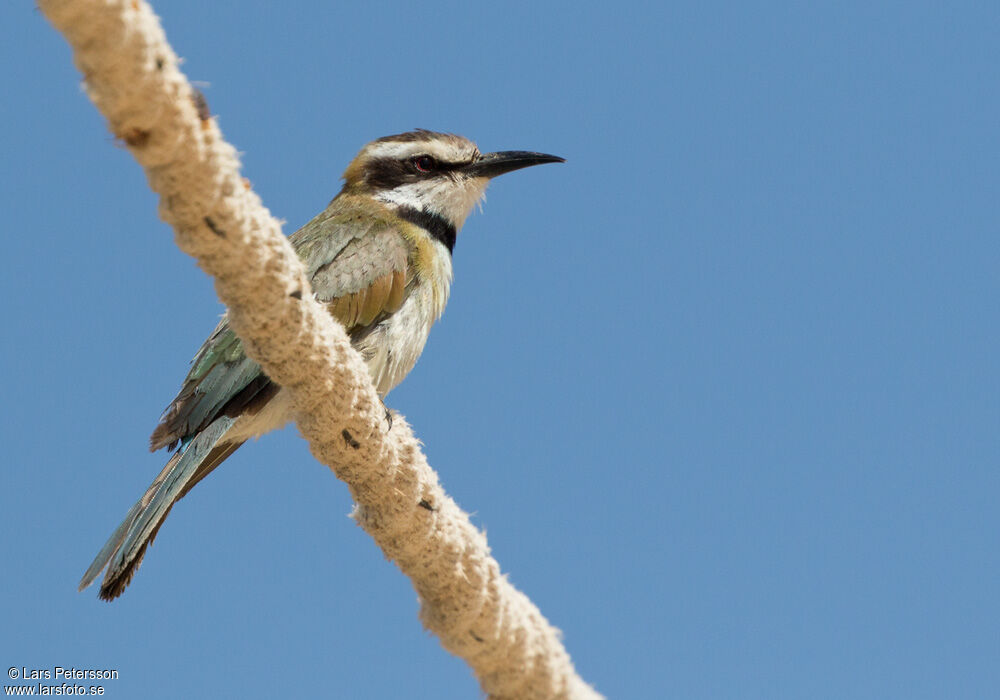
274, 414
393, 346
390, 349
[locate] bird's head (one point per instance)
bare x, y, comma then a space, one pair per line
441, 175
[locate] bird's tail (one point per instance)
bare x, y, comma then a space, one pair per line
124, 550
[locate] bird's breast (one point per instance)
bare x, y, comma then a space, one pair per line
391, 349
393, 346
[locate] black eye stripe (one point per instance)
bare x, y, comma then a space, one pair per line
387, 173
437, 166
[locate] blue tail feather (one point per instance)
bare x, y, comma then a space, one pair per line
123, 551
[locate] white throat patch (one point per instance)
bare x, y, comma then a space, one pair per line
452, 198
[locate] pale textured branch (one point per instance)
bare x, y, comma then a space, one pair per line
132, 75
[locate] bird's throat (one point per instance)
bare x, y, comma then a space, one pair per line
436, 225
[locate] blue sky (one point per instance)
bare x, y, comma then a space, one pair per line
722, 389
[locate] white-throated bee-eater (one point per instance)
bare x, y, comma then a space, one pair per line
379, 257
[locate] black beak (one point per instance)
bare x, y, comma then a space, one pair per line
493, 164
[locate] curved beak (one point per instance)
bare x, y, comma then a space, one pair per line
493, 164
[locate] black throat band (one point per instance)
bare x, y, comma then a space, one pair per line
435, 224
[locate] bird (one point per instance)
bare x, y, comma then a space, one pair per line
379, 257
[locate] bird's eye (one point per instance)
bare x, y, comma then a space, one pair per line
424, 163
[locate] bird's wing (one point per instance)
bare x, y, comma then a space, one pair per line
220, 374
357, 265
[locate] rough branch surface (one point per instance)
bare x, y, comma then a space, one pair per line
132, 76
